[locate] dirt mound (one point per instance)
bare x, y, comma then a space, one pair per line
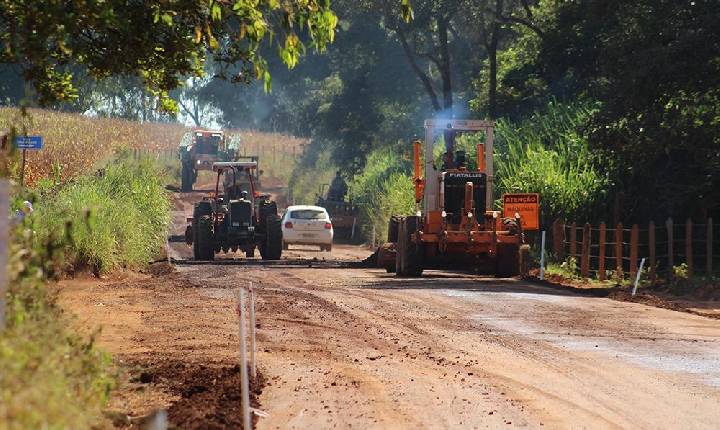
160, 269
209, 395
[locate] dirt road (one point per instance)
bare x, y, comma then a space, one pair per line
358, 348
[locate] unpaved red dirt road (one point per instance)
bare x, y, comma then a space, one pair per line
358, 348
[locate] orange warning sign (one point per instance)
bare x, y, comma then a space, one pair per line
527, 205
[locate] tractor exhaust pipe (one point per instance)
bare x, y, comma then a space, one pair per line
481, 157
417, 171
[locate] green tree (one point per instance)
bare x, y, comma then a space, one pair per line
160, 41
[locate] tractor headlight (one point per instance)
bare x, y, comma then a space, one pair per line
443, 214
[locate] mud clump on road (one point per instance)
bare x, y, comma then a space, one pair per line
160, 269
208, 395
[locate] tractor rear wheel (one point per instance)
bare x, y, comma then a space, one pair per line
203, 248
187, 178
507, 260
408, 261
272, 246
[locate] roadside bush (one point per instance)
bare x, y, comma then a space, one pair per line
384, 188
49, 377
548, 154
118, 218
308, 176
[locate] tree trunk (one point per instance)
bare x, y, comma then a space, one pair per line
445, 69
427, 83
492, 79
492, 59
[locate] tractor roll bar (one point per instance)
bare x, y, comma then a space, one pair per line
432, 180
222, 165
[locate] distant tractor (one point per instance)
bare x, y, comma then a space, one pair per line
343, 213
457, 226
235, 219
205, 148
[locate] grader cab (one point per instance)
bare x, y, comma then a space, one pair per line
455, 225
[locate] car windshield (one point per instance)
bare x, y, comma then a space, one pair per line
307, 214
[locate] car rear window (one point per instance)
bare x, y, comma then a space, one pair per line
307, 214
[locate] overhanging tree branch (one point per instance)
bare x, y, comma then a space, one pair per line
427, 83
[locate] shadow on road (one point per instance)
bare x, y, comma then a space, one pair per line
479, 284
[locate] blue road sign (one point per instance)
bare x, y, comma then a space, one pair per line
29, 142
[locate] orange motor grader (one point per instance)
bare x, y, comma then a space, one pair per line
457, 226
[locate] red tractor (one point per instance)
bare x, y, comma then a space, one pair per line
205, 148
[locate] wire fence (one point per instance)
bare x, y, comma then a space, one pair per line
615, 251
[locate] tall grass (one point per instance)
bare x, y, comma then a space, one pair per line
50, 378
548, 154
118, 220
307, 179
384, 188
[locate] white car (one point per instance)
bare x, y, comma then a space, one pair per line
307, 225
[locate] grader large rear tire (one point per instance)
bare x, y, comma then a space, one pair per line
409, 257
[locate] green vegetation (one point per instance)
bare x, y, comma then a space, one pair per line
50, 377
307, 179
384, 188
119, 217
58, 47
548, 154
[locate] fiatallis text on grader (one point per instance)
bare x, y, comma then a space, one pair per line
457, 226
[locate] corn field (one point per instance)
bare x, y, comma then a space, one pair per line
76, 144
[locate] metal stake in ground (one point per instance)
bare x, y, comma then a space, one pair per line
253, 345
542, 256
637, 278
244, 383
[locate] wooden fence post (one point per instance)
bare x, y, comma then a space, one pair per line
671, 257
688, 246
651, 250
634, 237
709, 247
559, 239
573, 241
585, 257
618, 251
601, 252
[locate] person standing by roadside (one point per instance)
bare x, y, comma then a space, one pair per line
25, 211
